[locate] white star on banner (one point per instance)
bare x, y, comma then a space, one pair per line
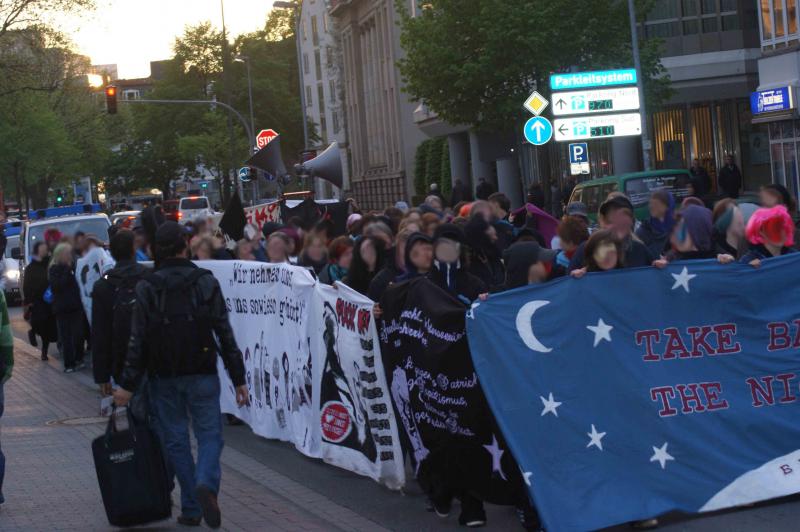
596, 438
682, 279
661, 455
550, 405
602, 331
497, 453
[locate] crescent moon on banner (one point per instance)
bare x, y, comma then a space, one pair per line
525, 326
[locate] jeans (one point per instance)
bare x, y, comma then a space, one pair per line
70, 336
174, 401
2, 456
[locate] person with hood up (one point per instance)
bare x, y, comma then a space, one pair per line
448, 271
392, 268
691, 238
655, 231
728, 233
418, 257
527, 263
484, 263
770, 233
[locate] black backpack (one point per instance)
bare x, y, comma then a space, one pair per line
180, 338
122, 315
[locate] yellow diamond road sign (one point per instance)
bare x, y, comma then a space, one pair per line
536, 103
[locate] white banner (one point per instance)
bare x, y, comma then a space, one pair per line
88, 270
268, 308
356, 419
313, 367
261, 214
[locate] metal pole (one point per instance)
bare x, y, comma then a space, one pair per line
637, 64
227, 86
297, 38
252, 122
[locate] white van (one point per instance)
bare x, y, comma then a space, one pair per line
192, 208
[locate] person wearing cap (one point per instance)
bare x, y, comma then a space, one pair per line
448, 266
616, 215
182, 368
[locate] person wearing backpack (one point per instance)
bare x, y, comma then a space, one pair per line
178, 311
113, 296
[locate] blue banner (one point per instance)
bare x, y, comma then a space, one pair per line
628, 394
772, 100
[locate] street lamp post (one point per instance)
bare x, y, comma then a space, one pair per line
246, 60
637, 63
296, 6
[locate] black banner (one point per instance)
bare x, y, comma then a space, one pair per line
312, 212
446, 424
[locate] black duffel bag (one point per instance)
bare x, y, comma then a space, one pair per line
131, 473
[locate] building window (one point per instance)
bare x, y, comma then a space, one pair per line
779, 23
663, 9
305, 64
317, 64
332, 90
689, 8
662, 29
691, 27
709, 7
308, 96
325, 22
305, 30
321, 99
335, 122
730, 23
329, 56
323, 128
710, 25
791, 16
314, 32
728, 5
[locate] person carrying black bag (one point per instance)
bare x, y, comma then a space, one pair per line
178, 310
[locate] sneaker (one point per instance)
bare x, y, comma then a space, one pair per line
189, 521
208, 502
69, 370
441, 507
472, 514
645, 524
32, 338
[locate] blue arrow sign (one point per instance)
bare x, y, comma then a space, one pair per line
538, 130
244, 174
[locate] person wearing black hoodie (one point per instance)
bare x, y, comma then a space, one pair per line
393, 267
368, 260
527, 263
43, 322
448, 271
110, 339
67, 306
484, 256
418, 257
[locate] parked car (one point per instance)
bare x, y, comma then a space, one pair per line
194, 207
124, 219
11, 273
637, 186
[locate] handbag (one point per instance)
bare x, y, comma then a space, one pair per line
132, 474
48, 296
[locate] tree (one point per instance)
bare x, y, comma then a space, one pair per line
22, 13
476, 62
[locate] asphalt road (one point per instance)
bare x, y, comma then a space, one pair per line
405, 511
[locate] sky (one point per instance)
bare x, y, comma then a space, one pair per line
131, 33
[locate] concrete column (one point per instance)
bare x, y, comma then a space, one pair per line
459, 157
508, 180
626, 151
479, 168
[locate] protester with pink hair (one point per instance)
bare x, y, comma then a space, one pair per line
770, 233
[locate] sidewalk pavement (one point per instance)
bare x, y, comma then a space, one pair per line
49, 423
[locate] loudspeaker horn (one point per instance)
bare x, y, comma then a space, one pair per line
269, 159
327, 165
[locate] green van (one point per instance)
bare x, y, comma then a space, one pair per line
637, 186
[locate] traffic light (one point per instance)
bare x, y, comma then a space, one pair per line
59, 197
111, 99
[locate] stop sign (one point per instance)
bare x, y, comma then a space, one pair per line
264, 137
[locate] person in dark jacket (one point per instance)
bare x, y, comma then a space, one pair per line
655, 231
700, 179
527, 263
770, 233
460, 192
448, 271
368, 259
340, 254
109, 345
394, 266
418, 257
484, 189
616, 214
315, 254
42, 319
692, 237
67, 306
182, 369
484, 257
730, 179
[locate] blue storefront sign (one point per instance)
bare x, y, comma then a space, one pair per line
601, 78
772, 100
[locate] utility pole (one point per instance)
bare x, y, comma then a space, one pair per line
226, 60
637, 64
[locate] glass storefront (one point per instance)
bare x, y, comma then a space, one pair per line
784, 141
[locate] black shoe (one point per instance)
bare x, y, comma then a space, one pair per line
472, 514
529, 518
441, 506
208, 502
45, 358
233, 421
32, 338
189, 521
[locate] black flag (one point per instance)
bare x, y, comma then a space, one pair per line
234, 220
